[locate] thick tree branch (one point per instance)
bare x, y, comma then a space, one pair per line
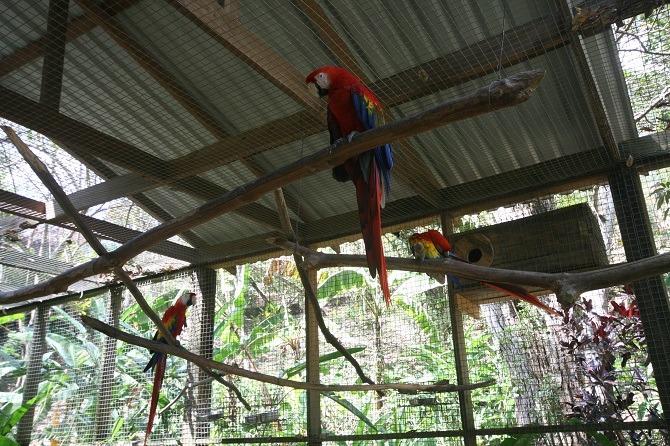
232, 370
567, 286
500, 94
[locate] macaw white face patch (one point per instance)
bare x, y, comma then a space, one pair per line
322, 80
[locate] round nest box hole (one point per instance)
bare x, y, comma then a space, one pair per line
475, 248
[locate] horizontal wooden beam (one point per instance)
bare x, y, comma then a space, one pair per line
35, 210
498, 95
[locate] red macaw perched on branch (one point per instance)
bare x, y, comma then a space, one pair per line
433, 245
175, 320
354, 108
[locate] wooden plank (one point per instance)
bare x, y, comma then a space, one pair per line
35, 263
144, 60
590, 88
121, 186
221, 24
54, 53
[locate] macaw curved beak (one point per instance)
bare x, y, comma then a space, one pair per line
316, 90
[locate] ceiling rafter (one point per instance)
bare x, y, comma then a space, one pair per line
147, 204
54, 53
84, 139
133, 48
36, 210
115, 30
415, 173
590, 87
222, 25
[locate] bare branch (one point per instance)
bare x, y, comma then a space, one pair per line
309, 291
567, 286
232, 370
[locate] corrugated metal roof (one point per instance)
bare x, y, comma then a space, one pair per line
106, 89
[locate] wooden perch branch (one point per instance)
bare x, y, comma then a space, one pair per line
232, 370
495, 96
567, 286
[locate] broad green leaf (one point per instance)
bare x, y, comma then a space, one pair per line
341, 281
351, 408
9, 318
74, 322
4, 441
323, 358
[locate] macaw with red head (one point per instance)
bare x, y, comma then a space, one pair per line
174, 320
433, 245
354, 108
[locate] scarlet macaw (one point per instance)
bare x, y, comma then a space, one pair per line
433, 245
354, 108
175, 320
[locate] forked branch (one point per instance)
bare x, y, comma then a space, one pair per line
567, 286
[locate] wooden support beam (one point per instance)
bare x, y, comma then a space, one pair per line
103, 412
54, 53
114, 29
651, 293
36, 210
590, 87
84, 139
496, 96
222, 25
33, 378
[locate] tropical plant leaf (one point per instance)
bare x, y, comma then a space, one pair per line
351, 408
9, 318
341, 281
323, 358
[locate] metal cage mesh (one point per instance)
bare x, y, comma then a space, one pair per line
144, 111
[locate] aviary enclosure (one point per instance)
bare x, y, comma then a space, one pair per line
157, 148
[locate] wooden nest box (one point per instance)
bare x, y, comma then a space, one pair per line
563, 240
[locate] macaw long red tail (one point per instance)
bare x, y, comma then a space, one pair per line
159, 373
369, 197
518, 292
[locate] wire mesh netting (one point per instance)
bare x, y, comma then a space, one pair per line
170, 117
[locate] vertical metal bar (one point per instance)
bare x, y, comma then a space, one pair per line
651, 293
460, 353
34, 375
103, 425
312, 353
